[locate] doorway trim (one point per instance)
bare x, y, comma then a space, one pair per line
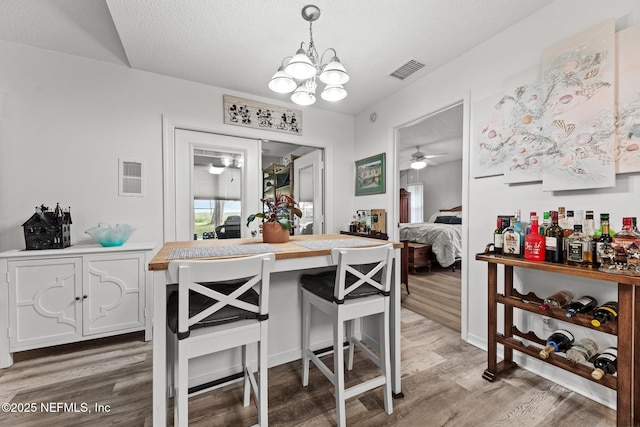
464, 98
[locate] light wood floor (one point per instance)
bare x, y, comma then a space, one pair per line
435, 294
441, 382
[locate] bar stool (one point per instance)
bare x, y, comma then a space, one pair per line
215, 308
359, 287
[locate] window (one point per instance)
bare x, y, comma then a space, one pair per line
417, 209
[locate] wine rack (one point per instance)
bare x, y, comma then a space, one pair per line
628, 336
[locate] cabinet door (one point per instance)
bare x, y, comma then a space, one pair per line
113, 293
43, 309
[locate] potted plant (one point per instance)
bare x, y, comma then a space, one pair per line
276, 218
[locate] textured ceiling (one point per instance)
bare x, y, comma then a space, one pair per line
239, 44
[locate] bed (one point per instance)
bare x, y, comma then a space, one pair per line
443, 232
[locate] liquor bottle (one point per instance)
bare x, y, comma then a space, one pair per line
589, 224
627, 236
562, 217
607, 312
604, 239
605, 363
559, 341
582, 351
512, 238
603, 217
569, 224
583, 304
578, 248
554, 241
520, 229
546, 223
534, 243
497, 237
527, 229
559, 299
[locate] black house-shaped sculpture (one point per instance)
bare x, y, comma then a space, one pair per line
48, 230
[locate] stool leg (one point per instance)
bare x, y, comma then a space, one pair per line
246, 370
338, 369
385, 357
263, 387
182, 390
306, 330
350, 328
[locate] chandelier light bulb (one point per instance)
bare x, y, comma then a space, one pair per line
300, 67
281, 82
334, 73
333, 93
303, 96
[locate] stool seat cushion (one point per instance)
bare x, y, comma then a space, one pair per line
322, 285
199, 302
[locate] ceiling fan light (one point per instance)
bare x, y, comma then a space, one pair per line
334, 73
418, 164
281, 82
333, 93
303, 96
300, 67
215, 170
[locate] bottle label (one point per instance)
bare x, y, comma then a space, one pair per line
583, 300
551, 243
609, 357
511, 243
498, 240
574, 252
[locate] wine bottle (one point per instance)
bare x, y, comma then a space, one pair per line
498, 238
559, 299
512, 244
559, 341
602, 241
607, 312
534, 243
583, 304
546, 223
582, 351
605, 363
554, 241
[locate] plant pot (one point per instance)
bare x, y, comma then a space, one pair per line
273, 232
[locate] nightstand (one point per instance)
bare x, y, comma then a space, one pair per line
419, 256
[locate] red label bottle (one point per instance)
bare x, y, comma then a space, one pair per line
534, 243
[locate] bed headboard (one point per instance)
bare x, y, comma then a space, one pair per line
454, 209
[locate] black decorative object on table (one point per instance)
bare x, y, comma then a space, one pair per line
48, 229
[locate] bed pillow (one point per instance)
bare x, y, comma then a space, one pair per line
455, 220
444, 213
443, 219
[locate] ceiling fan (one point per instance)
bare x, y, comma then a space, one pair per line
420, 160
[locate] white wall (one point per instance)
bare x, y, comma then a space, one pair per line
65, 121
442, 186
474, 76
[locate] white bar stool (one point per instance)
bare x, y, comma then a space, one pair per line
347, 294
215, 308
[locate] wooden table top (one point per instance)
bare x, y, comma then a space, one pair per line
288, 250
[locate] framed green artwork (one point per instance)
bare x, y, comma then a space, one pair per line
370, 175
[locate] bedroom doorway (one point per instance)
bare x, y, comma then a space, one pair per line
436, 140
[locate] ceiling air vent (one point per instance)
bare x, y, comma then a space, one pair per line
407, 69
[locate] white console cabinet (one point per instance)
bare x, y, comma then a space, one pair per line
58, 296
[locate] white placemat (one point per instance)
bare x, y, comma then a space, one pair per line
216, 251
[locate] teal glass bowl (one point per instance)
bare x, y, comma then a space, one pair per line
108, 236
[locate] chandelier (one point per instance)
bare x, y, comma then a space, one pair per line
306, 66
